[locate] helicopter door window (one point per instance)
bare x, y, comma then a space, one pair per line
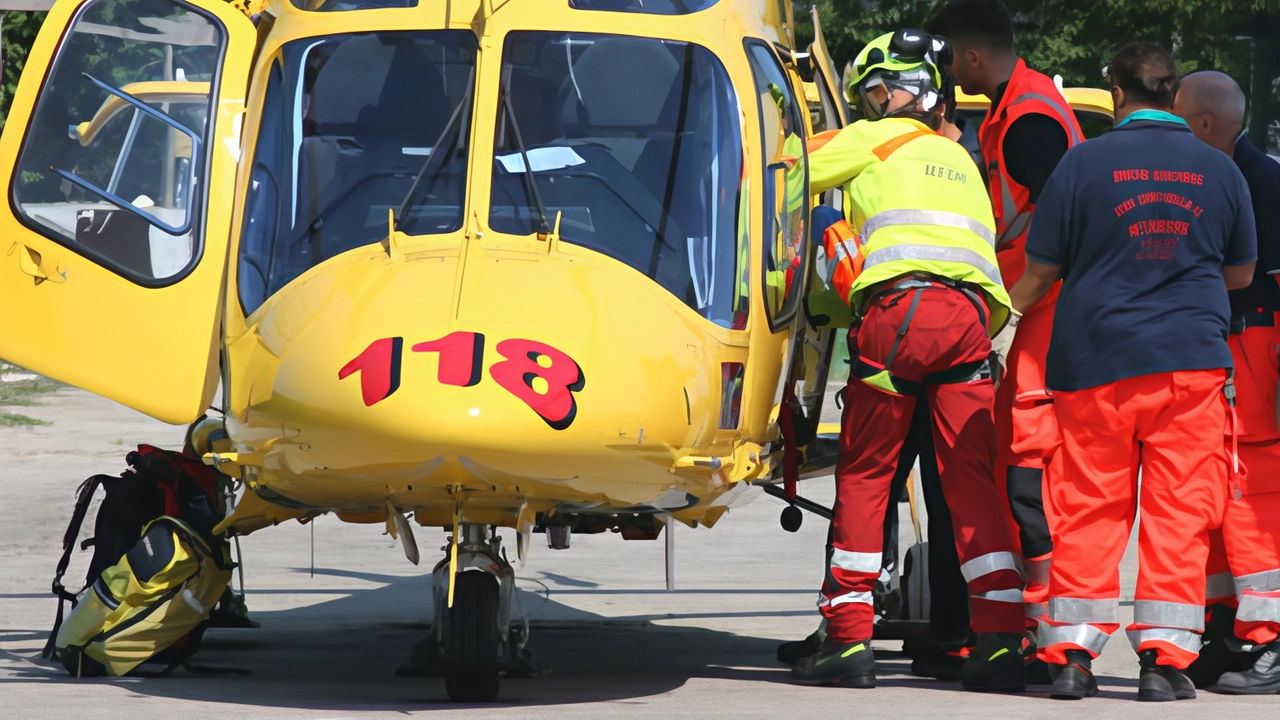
786, 179
111, 166
635, 144
353, 126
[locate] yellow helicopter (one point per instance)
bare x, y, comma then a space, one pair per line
528, 264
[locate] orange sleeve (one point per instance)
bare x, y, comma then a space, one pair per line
820, 139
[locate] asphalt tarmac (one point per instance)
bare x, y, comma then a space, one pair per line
613, 640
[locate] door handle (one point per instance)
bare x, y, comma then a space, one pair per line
31, 262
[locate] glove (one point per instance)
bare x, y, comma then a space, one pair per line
1001, 343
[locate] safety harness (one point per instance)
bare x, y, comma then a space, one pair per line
879, 376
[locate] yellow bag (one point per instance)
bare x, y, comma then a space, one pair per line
147, 603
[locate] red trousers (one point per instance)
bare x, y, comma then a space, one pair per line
1027, 441
1173, 426
1244, 560
945, 331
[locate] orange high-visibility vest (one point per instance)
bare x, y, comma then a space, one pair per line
1028, 92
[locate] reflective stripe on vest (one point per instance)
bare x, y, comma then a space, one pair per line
940, 218
1067, 119
933, 252
1020, 222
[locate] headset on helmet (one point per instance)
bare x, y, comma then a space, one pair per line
909, 60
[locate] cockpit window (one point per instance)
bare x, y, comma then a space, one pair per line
634, 143
647, 7
345, 5
349, 123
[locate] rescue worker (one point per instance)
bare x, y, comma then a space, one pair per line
939, 651
922, 278
1213, 106
1148, 228
1027, 130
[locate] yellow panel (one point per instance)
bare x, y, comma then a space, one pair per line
1081, 99
827, 73
652, 366
68, 317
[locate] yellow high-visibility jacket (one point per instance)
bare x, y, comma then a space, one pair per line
916, 203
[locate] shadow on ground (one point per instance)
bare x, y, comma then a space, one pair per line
335, 655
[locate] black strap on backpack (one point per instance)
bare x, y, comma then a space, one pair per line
84, 496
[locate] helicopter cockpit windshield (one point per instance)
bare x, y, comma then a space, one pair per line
634, 144
349, 122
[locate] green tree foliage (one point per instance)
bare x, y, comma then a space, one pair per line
1072, 38
17, 32
1076, 39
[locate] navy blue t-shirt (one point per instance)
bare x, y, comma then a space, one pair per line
1262, 173
1142, 220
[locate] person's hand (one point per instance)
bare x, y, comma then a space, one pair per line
1000, 345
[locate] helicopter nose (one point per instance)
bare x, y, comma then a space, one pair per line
535, 367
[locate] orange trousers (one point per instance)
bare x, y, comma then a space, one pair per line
1027, 441
1173, 426
1244, 560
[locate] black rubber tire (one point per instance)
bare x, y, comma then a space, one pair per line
471, 639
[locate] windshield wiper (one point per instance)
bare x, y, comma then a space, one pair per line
524, 155
436, 148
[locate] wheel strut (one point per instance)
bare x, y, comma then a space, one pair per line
475, 640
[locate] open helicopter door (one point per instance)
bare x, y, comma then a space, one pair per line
824, 311
827, 77
815, 330
119, 162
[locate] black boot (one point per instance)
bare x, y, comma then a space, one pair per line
995, 664
790, 653
934, 657
837, 663
231, 612
1221, 652
1162, 683
1035, 670
1074, 681
1261, 679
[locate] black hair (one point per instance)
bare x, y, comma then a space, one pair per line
985, 23
1146, 72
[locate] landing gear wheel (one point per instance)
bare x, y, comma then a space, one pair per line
471, 639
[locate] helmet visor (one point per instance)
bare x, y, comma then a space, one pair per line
880, 90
